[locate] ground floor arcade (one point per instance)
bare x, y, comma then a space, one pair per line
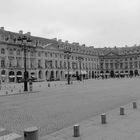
46, 75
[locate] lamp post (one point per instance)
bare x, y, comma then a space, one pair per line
23, 41
80, 59
68, 54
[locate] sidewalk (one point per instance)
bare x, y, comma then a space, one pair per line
118, 127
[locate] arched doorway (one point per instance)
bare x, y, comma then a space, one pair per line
61, 74
131, 73
112, 74
57, 75
3, 75
89, 74
52, 76
11, 76
92, 74
40, 74
136, 72
19, 76
77, 75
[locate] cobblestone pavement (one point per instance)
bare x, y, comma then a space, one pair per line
59, 106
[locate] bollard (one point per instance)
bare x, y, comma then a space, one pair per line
103, 118
48, 84
31, 133
134, 105
76, 131
121, 110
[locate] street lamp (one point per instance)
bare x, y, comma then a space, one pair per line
68, 54
23, 41
80, 59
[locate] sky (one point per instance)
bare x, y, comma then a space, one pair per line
98, 23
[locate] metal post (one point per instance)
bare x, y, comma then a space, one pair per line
68, 69
31, 133
80, 72
25, 71
103, 118
76, 131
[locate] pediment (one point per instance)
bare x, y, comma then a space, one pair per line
112, 53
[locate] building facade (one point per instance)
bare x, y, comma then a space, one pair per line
120, 62
45, 58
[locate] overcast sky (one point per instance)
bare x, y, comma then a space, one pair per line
97, 23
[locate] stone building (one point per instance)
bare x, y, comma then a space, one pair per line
45, 58
119, 62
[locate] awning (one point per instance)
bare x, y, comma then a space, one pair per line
11, 76
33, 76
3, 75
70, 72
83, 72
19, 75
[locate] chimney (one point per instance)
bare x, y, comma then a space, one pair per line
66, 41
28, 33
55, 39
2, 28
59, 40
21, 32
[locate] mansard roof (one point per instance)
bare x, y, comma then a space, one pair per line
36, 41
11, 37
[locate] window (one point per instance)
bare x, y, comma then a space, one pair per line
2, 51
39, 53
50, 54
56, 64
2, 63
18, 52
55, 55
11, 51
46, 54
39, 63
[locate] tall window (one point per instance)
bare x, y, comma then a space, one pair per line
2, 63
60, 64
56, 63
11, 52
39, 63
39, 53
2, 51
18, 52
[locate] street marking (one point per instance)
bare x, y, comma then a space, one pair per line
10, 136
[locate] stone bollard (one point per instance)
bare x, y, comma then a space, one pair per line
121, 110
31, 133
103, 118
76, 131
134, 105
49, 85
